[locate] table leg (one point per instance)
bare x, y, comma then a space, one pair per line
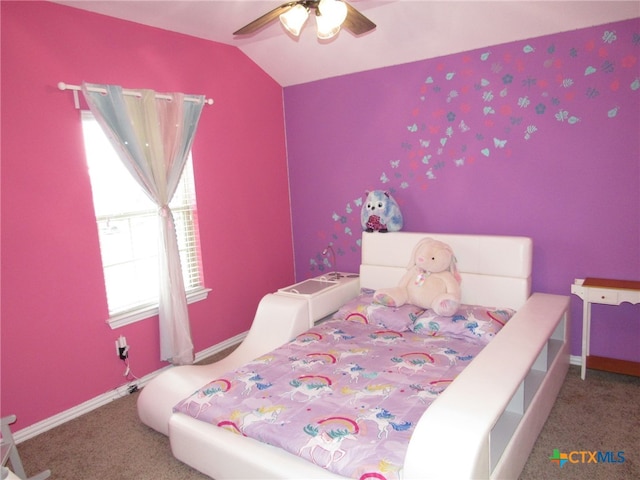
586, 335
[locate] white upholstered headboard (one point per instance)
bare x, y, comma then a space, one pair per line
495, 270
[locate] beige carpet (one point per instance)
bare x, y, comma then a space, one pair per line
601, 413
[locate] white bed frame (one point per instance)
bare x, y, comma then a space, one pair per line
483, 425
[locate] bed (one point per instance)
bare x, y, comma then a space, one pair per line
483, 425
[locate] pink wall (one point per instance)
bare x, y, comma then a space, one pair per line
57, 351
536, 138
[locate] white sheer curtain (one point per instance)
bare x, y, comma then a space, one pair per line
153, 137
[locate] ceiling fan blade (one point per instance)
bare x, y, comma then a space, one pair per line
356, 22
268, 17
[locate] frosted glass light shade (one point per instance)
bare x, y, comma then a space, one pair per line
331, 14
325, 28
294, 19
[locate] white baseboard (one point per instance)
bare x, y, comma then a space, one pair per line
122, 391
575, 360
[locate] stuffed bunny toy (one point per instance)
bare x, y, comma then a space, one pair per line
431, 281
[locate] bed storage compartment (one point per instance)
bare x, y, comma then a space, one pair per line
552, 358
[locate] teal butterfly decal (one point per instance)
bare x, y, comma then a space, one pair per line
529, 131
524, 102
609, 37
499, 143
562, 115
483, 83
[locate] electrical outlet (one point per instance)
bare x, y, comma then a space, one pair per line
124, 352
122, 349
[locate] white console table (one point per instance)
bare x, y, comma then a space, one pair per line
601, 291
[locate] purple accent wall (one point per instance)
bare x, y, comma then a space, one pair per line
537, 138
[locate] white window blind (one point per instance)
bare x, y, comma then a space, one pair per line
128, 228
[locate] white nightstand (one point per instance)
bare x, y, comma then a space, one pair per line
325, 294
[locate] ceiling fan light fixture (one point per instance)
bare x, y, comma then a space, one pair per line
294, 19
330, 14
326, 29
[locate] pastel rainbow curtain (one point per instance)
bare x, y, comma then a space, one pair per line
153, 137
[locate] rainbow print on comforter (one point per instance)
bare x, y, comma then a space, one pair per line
346, 395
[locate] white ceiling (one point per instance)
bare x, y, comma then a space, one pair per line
407, 30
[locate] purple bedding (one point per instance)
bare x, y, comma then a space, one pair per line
347, 394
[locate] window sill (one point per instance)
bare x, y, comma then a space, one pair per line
132, 316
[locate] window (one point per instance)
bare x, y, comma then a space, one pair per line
128, 230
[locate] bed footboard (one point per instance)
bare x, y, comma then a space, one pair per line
221, 454
485, 423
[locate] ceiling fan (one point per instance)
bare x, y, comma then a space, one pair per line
330, 16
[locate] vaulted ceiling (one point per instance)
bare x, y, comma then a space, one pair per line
406, 30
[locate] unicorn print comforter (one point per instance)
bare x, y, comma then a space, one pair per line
347, 394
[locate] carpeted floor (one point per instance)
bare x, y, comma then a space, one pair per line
601, 414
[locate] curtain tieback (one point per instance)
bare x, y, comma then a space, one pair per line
164, 211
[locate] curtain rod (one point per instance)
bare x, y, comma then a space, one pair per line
76, 89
